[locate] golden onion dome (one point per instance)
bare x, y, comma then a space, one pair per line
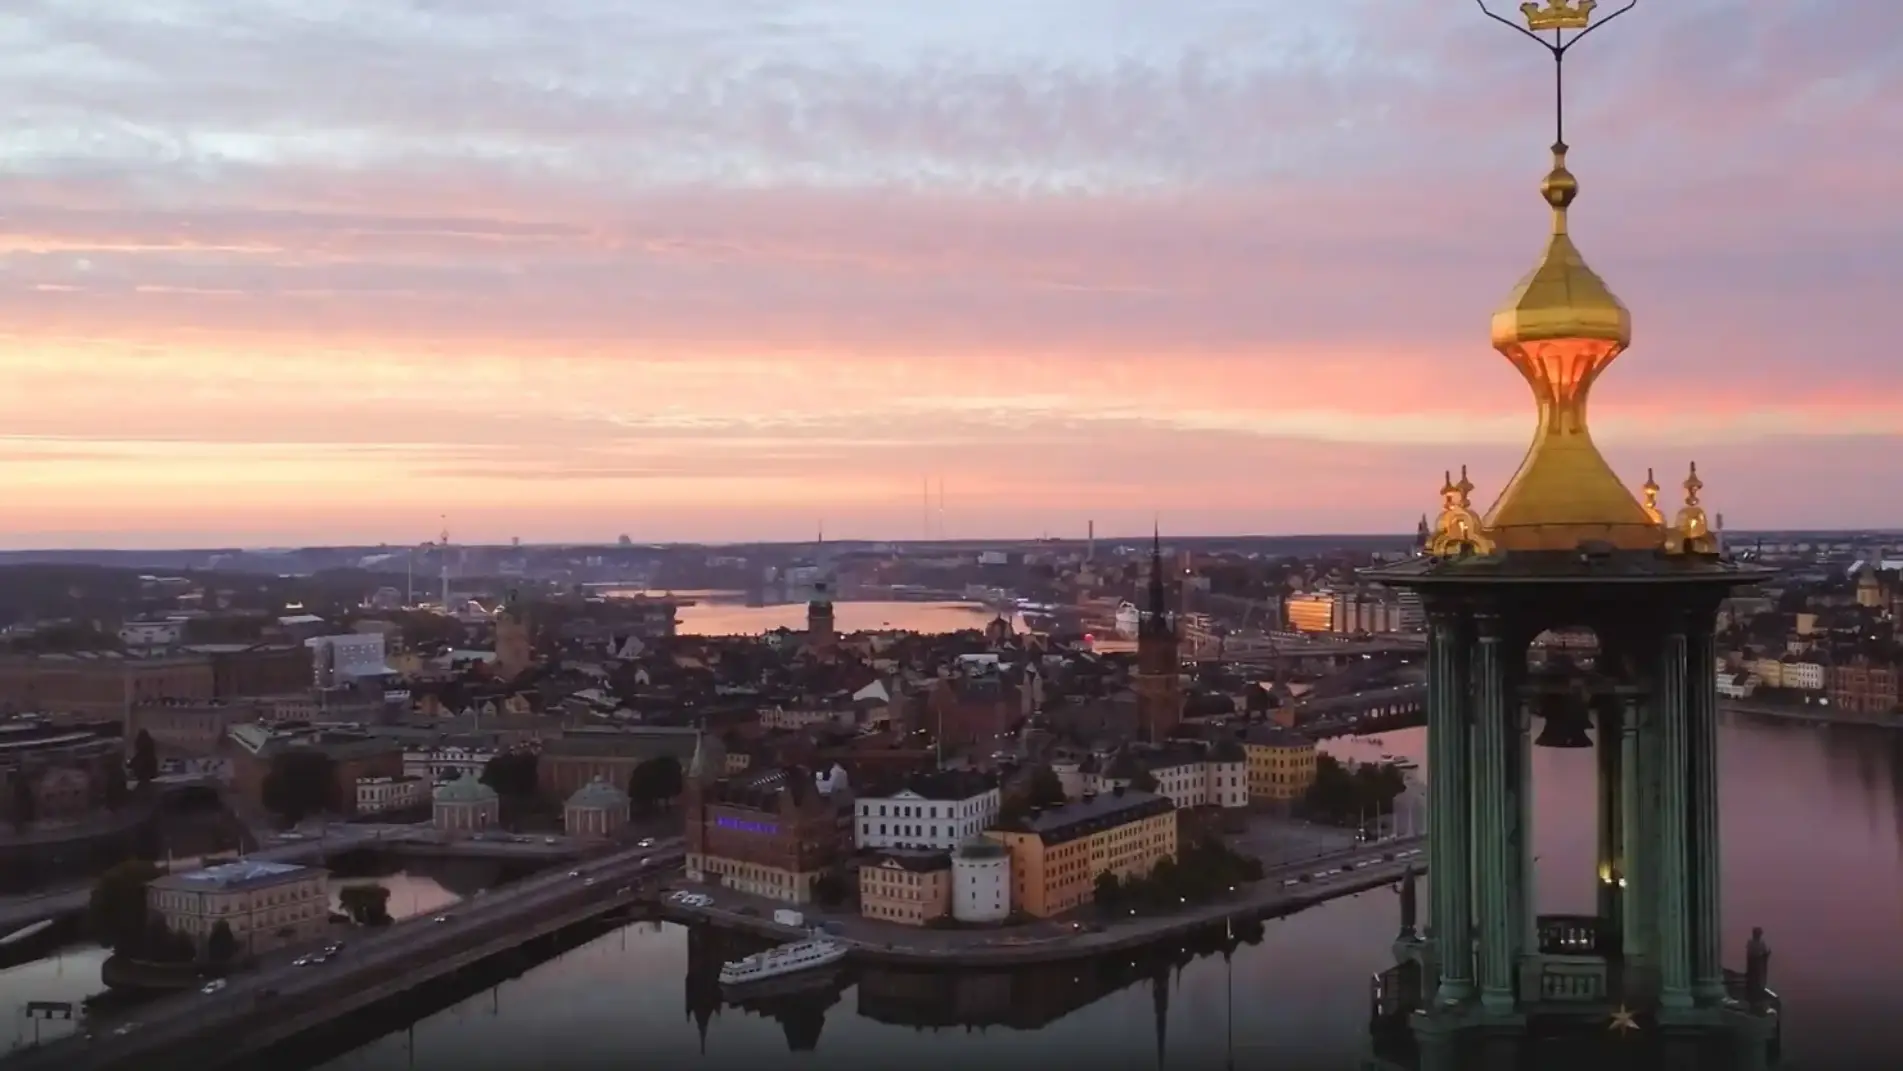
1560, 329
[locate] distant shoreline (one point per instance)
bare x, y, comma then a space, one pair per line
1812, 715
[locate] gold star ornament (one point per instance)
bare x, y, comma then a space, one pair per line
1624, 1020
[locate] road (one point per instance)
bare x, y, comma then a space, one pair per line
372, 955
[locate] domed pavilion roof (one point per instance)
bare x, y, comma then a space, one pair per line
464, 790
599, 795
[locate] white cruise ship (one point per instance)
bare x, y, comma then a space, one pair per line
810, 954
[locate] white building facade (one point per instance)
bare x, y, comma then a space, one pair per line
446, 762
981, 881
341, 658
935, 813
377, 795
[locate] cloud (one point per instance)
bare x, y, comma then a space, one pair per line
562, 229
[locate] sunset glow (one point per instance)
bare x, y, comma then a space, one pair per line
292, 273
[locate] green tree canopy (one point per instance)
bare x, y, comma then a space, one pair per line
1045, 789
831, 888
655, 781
1341, 796
116, 913
367, 905
511, 773
221, 945
26, 805
145, 758
300, 783
116, 790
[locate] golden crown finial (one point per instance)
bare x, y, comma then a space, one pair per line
1558, 14
1691, 531
1458, 531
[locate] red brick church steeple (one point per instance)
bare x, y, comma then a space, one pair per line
1159, 683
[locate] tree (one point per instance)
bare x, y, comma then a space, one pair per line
367, 905
830, 888
1144, 781
511, 773
669, 779
116, 790
301, 782
145, 758
1045, 790
655, 781
221, 945
116, 911
1109, 891
26, 805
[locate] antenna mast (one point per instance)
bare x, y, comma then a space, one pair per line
445, 562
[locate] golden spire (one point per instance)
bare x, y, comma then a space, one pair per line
1560, 329
1691, 531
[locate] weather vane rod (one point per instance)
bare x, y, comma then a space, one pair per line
1568, 21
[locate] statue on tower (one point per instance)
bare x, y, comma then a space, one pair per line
1410, 904
1757, 968
1458, 531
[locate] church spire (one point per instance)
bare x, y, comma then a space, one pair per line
1159, 597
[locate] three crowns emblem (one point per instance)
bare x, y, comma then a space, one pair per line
1559, 14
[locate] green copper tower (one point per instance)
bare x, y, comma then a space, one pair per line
1574, 608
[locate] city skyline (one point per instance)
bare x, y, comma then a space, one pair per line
280, 278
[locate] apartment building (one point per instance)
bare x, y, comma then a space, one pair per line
1058, 852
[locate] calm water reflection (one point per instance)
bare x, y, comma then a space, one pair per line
727, 614
1812, 818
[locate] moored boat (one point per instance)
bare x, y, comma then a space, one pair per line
809, 954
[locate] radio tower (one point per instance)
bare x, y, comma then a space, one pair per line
445, 563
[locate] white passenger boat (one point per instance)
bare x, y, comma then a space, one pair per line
807, 955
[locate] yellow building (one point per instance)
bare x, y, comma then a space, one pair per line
1313, 612
909, 888
1058, 852
265, 905
1281, 763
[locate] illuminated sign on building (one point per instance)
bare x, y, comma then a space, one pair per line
744, 826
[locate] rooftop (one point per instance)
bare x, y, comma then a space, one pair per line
243, 874
945, 785
1092, 814
918, 862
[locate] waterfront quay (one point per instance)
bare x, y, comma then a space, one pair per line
1284, 889
1815, 715
267, 1006
412, 840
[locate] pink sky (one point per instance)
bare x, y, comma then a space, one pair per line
277, 273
